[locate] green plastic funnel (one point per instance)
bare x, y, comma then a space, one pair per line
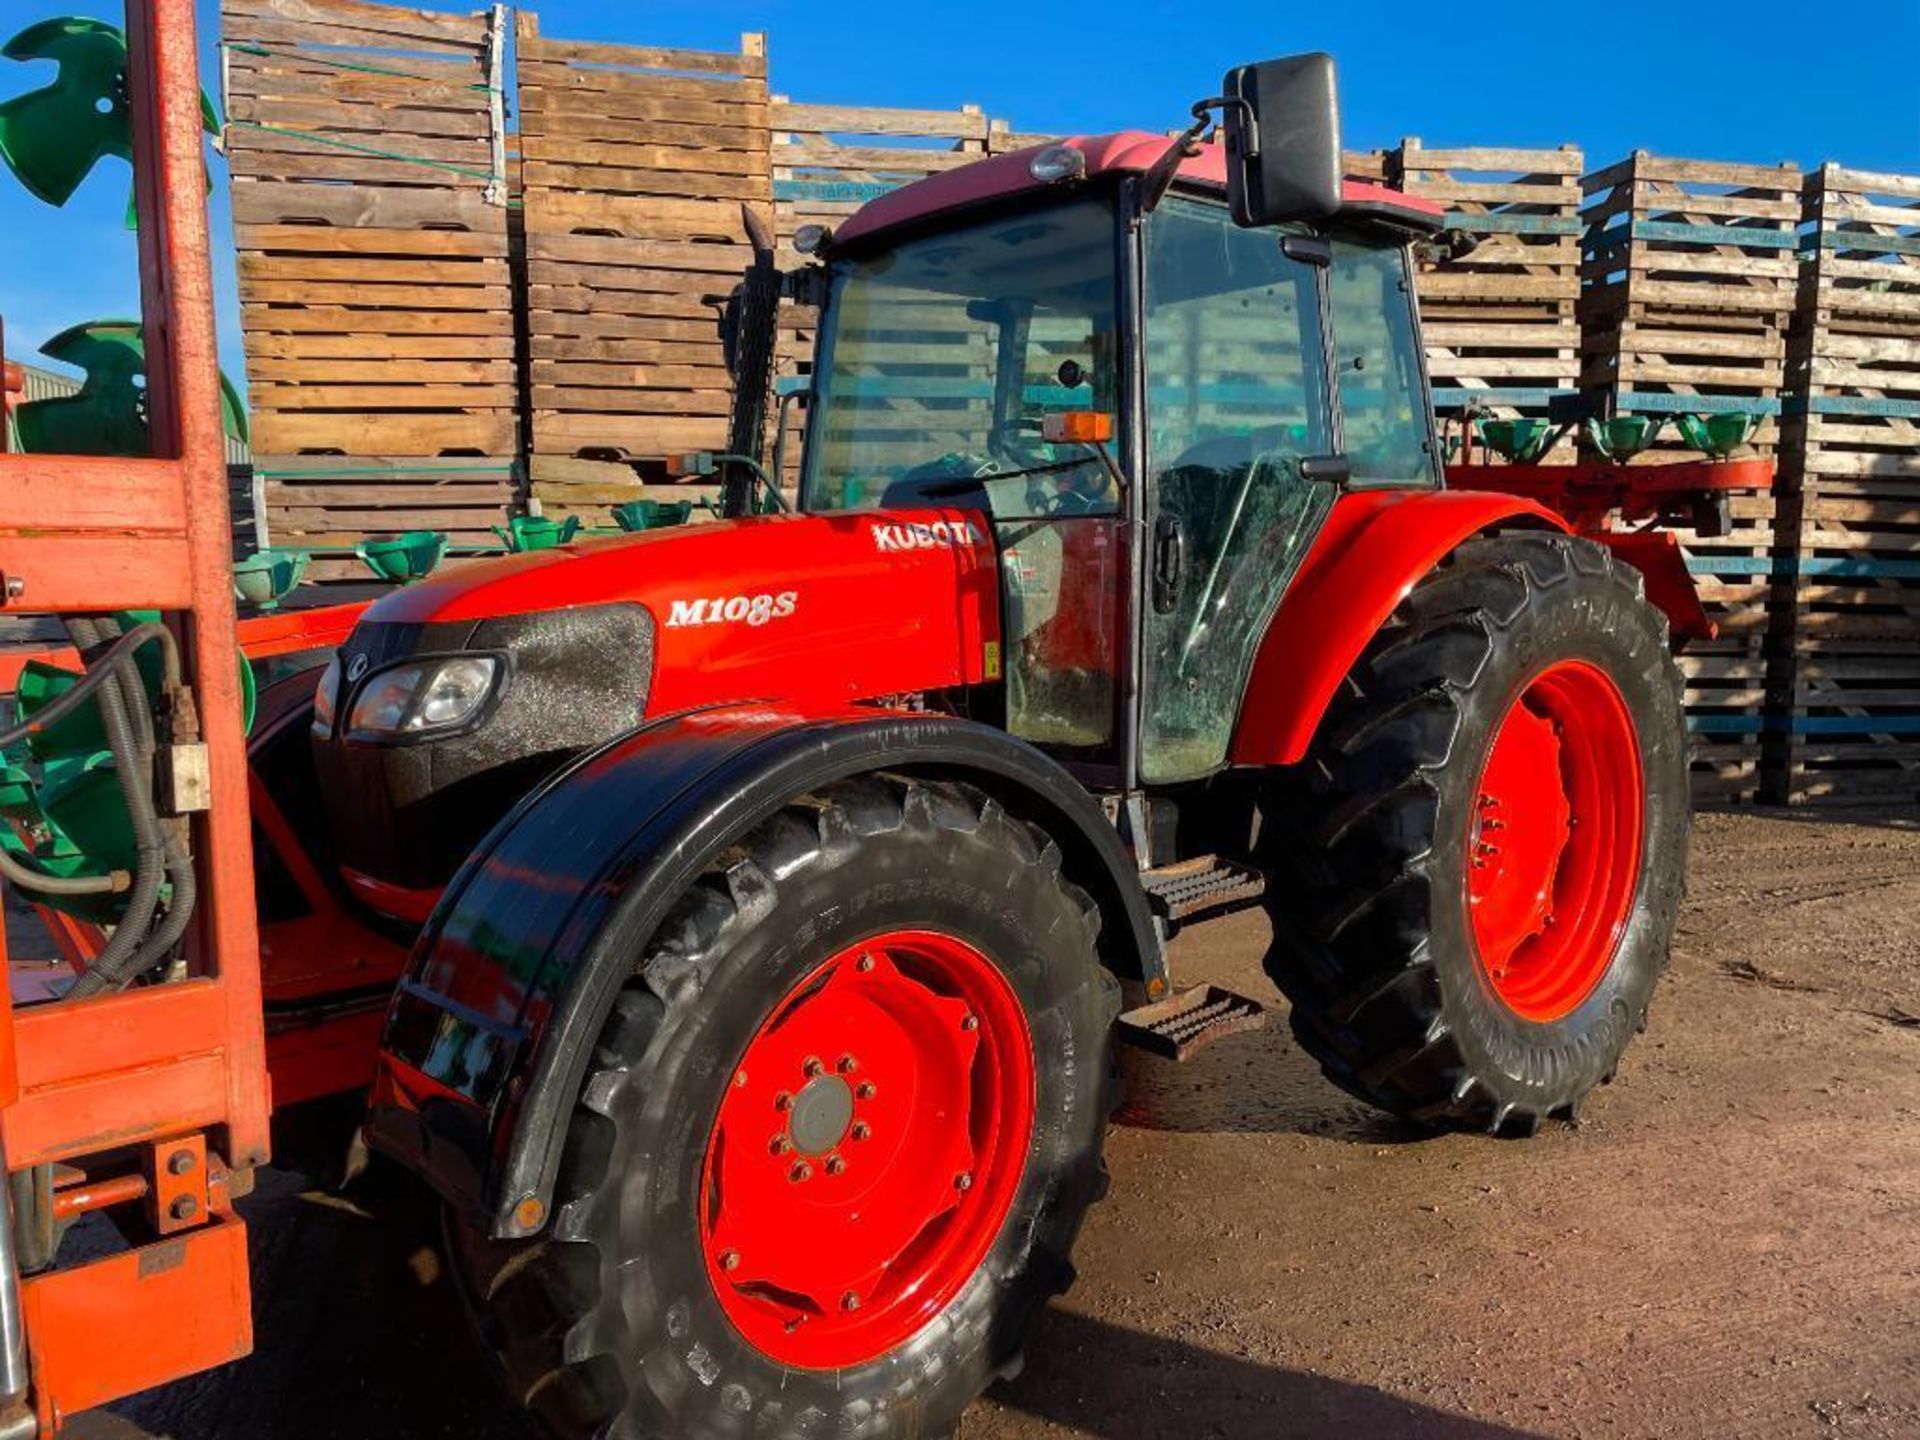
108, 415
263, 580
1624, 436
1718, 436
536, 532
404, 557
1520, 442
652, 514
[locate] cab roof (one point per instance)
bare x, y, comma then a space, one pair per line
1126, 152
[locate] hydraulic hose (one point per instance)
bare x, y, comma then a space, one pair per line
41, 883
97, 675
113, 968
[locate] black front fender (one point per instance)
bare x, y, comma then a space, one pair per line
512, 979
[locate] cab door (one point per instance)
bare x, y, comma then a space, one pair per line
1237, 409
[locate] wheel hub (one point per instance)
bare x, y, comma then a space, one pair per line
1553, 843
822, 1113
868, 1149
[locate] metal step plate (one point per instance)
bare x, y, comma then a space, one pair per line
1189, 1020
1205, 883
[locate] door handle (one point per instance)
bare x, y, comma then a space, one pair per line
1333, 469
1169, 563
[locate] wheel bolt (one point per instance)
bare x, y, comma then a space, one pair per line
783, 1101
847, 1065
801, 1171
861, 1130
863, 964
740, 1079
779, 1145
730, 1260
835, 1165
972, 1022
963, 1182
864, 1090
849, 1301
813, 1066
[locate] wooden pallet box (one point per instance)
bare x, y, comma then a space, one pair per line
1499, 323
1852, 482
1689, 275
365, 145
636, 165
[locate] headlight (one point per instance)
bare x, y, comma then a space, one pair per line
424, 697
325, 698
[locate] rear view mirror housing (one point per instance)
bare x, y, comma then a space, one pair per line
1282, 125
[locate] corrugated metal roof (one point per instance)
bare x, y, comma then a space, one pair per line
45, 385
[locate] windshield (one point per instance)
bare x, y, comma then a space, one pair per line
942, 357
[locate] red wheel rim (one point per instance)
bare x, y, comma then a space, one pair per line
868, 1149
1553, 845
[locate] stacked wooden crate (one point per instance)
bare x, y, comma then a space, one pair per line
1850, 656
1690, 273
828, 161
636, 163
1501, 331
369, 211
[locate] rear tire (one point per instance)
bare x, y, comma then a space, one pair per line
625, 1320
1437, 966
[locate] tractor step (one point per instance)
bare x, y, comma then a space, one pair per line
1201, 885
1189, 1020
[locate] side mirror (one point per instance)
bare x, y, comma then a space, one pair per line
1283, 140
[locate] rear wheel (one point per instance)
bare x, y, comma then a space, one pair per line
836, 1141
1479, 866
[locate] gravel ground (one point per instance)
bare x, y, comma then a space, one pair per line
1727, 1245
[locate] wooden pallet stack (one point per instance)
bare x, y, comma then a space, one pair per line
1850, 649
636, 163
370, 216
829, 160
1500, 326
1689, 278
1690, 274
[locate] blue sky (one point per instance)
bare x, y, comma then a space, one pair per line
1763, 81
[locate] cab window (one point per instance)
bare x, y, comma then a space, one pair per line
1383, 398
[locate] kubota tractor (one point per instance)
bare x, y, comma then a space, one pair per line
766, 897
781, 884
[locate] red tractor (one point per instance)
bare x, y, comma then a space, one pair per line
766, 897
777, 882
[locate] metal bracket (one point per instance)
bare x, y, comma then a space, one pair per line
496, 191
178, 1197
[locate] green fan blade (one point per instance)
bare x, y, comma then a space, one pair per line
52, 138
109, 414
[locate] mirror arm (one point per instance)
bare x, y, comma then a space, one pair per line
1160, 178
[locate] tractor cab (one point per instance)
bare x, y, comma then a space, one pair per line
1151, 406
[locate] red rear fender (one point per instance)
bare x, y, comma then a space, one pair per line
1374, 548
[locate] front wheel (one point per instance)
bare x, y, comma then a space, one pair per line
1479, 866
836, 1140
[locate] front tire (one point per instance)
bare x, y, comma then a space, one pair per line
1479, 865
836, 1141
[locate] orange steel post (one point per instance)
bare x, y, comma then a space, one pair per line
175, 1068
183, 384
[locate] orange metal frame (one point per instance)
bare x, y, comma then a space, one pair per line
169, 1068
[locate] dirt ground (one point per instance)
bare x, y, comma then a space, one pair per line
1728, 1245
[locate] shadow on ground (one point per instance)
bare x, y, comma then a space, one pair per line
1100, 1379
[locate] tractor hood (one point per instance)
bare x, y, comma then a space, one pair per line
804, 609
587, 641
